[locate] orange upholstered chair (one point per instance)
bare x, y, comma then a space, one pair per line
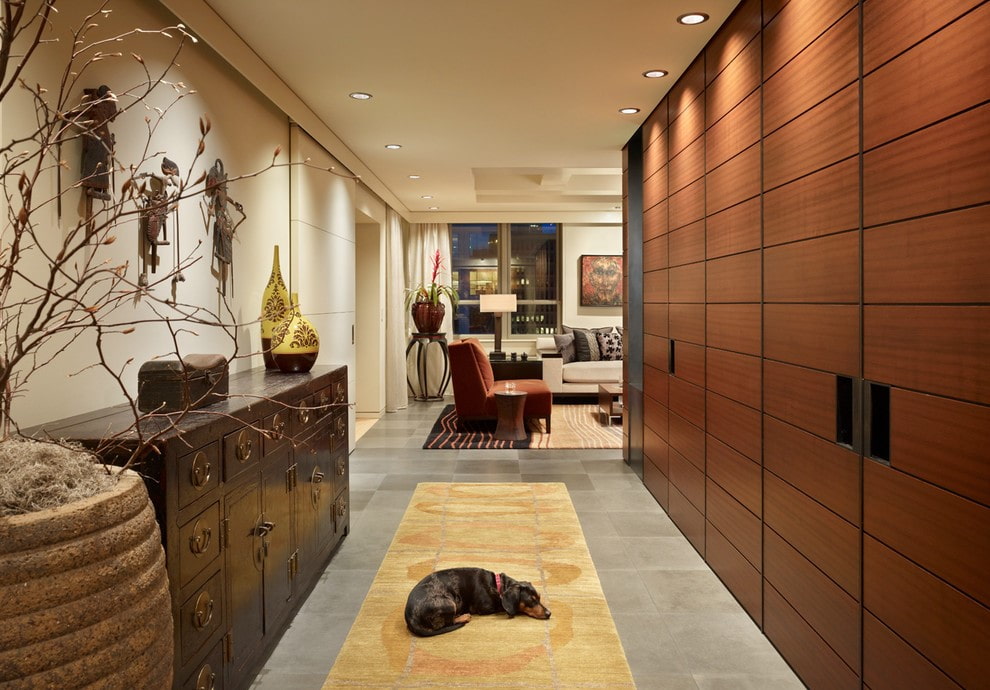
475, 385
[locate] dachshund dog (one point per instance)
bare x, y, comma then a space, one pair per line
445, 600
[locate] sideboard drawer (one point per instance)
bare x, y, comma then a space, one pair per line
276, 428
241, 450
199, 543
200, 615
199, 473
209, 674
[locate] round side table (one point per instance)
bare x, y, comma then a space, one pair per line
510, 406
422, 342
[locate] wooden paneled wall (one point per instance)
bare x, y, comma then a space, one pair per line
816, 317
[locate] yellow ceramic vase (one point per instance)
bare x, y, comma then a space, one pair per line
295, 342
274, 309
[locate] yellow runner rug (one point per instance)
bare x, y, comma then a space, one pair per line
529, 532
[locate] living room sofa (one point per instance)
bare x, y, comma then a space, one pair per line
566, 374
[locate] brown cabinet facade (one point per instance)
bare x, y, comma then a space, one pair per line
816, 309
252, 497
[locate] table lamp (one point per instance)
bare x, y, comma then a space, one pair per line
498, 305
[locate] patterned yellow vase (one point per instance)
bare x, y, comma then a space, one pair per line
295, 343
274, 308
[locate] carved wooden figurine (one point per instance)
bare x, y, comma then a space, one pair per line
223, 225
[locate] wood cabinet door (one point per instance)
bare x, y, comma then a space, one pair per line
277, 540
245, 567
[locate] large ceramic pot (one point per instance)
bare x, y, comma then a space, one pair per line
274, 308
427, 316
84, 598
295, 342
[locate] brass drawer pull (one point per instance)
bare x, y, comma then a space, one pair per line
341, 467
244, 446
341, 427
206, 680
264, 528
318, 476
277, 432
203, 612
199, 542
324, 401
342, 508
304, 415
341, 393
199, 474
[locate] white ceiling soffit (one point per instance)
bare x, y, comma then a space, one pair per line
505, 110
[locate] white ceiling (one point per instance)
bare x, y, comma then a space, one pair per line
501, 107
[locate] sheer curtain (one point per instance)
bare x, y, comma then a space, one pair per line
396, 390
422, 240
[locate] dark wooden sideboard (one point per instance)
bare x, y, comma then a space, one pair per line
251, 495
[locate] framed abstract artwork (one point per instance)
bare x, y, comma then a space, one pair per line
601, 280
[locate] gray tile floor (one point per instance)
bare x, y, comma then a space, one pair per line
680, 627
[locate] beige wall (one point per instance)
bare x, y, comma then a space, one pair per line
578, 240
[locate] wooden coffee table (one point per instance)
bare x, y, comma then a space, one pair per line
510, 406
610, 401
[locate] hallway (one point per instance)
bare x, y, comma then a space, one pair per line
680, 627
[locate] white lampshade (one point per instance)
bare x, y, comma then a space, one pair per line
498, 303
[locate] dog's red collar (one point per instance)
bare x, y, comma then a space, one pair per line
498, 583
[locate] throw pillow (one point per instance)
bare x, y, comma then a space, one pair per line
565, 346
586, 345
610, 345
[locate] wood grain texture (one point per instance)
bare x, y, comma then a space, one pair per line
688, 519
655, 319
812, 659
732, 38
741, 527
824, 202
684, 93
687, 245
826, 66
738, 574
825, 134
735, 278
687, 323
687, 165
739, 79
939, 350
737, 131
739, 476
687, 127
687, 283
655, 384
824, 269
820, 535
825, 471
655, 448
655, 286
820, 336
687, 205
655, 254
896, 102
800, 396
734, 230
656, 482
688, 440
735, 327
797, 25
942, 441
655, 156
891, 28
655, 351
939, 531
735, 376
655, 220
736, 180
735, 424
936, 259
655, 125
655, 416
830, 611
940, 168
688, 479
655, 188
939, 621
889, 663
688, 399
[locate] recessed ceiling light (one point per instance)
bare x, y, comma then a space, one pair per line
360, 96
692, 18
434, 208
655, 73
414, 177
393, 146
628, 111
426, 196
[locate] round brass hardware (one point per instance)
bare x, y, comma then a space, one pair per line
277, 432
244, 446
206, 680
304, 415
199, 541
199, 473
203, 611
341, 467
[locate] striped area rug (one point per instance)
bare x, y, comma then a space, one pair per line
572, 426
528, 531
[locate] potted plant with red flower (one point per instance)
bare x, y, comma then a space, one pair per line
424, 300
